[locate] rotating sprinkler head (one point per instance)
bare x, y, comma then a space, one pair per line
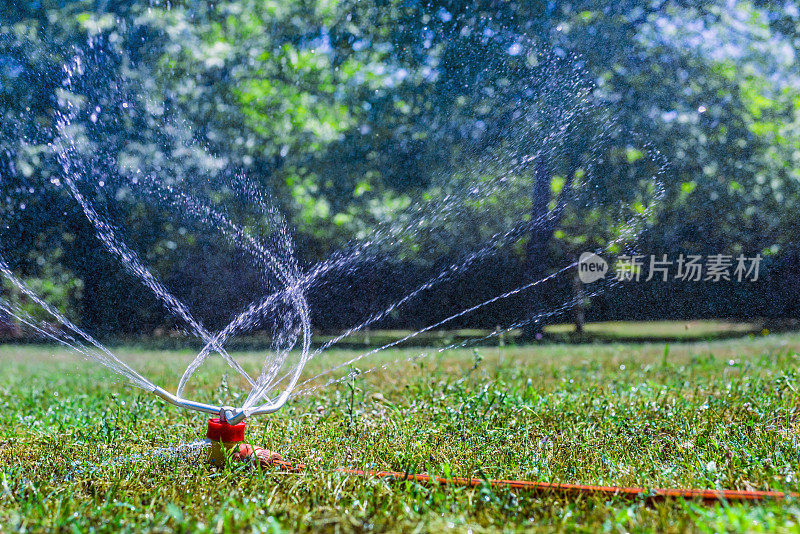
225, 433
228, 413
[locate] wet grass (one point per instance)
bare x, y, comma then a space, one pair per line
721, 414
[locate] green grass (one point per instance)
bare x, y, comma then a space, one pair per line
614, 331
673, 330
721, 414
661, 330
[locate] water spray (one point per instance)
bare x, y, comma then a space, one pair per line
225, 431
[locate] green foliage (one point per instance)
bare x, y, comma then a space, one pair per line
346, 111
60, 290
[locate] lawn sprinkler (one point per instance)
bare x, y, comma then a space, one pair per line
225, 433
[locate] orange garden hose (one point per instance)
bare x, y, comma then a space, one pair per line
223, 436
569, 490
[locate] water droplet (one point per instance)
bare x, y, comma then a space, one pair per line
515, 49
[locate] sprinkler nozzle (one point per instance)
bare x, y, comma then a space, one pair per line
234, 415
226, 413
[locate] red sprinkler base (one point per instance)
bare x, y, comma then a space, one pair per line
228, 439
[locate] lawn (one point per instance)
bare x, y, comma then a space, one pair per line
614, 331
77, 447
661, 330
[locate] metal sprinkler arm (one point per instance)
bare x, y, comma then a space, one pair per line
261, 410
226, 413
234, 416
186, 403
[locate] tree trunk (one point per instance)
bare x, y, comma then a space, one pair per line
578, 312
538, 242
543, 225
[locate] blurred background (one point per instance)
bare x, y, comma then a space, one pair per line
346, 111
